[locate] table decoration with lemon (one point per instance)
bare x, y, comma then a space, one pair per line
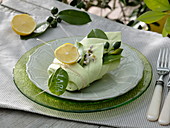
23, 24
91, 68
26, 26
76, 66
116, 88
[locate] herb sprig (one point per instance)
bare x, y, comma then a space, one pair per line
71, 16
111, 53
87, 56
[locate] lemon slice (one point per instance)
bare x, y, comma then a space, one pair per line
67, 53
23, 24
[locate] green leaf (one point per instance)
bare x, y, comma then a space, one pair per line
116, 51
97, 33
110, 58
81, 5
58, 81
158, 5
74, 17
74, 2
151, 16
40, 29
167, 25
81, 52
80, 48
50, 78
164, 32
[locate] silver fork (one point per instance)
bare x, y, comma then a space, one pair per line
162, 70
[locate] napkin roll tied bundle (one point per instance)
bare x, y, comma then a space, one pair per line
81, 77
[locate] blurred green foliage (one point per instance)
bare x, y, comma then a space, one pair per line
159, 15
138, 7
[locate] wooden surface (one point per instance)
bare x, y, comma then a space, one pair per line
19, 119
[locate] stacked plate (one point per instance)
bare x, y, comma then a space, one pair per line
115, 89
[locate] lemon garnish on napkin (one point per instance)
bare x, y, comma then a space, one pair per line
67, 53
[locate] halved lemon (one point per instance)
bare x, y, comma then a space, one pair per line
23, 24
67, 53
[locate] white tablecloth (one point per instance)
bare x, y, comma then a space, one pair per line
12, 48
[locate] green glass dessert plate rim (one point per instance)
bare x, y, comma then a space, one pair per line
30, 90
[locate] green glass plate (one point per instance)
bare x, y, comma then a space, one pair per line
30, 90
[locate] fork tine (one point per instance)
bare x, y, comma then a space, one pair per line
163, 59
166, 58
159, 58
